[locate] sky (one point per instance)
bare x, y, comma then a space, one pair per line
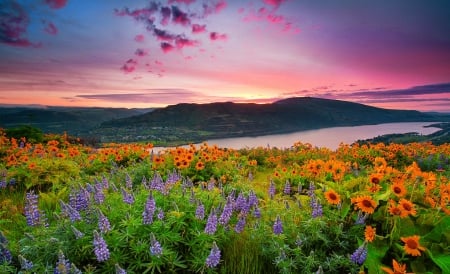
141, 53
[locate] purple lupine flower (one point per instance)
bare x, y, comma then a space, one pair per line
157, 182
99, 195
300, 188
62, 265
32, 213
173, 177
155, 246
5, 254
257, 212
3, 183
200, 211
100, 247
90, 188
226, 213
119, 270
149, 210
278, 226
272, 189
211, 184
105, 182
252, 199
211, 224
214, 256
250, 176
24, 263
311, 189
69, 211
78, 234
317, 210
360, 255
240, 225
12, 181
103, 223
287, 188
192, 197
361, 218
160, 214
128, 198
128, 182
241, 202
82, 200
145, 183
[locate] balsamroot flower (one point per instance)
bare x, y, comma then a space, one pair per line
332, 197
398, 268
100, 248
407, 207
412, 245
214, 256
369, 233
278, 226
360, 255
365, 203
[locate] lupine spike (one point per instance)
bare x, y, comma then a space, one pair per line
214, 256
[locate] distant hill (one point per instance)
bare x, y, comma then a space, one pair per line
73, 120
198, 122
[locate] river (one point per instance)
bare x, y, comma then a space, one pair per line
325, 137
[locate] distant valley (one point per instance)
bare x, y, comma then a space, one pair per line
186, 123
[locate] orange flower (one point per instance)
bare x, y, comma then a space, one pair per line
395, 210
199, 166
398, 188
332, 197
397, 268
375, 178
412, 245
365, 203
369, 233
407, 207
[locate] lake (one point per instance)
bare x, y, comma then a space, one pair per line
325, 137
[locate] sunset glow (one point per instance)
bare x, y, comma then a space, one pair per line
139, 54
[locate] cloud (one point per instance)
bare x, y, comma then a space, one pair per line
275, 3
181, 42
416, 90
197, 28
180, 17
167, 47
140, 52
129, 66
56, 4
216, 36
14, 22
139, 38
50, 28
157, 95
187, 2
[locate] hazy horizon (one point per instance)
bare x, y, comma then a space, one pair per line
146, 54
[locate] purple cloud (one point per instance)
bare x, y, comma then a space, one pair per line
50, 28
14, 22
56, 4
180, 17
167, 47
216, 36
197, 28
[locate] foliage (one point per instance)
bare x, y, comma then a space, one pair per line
205, 209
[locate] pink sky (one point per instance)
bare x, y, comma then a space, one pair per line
393, 54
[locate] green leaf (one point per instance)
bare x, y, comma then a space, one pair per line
442, 260
376, 252
441, 228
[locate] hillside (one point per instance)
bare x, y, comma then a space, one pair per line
198, 122
73, 120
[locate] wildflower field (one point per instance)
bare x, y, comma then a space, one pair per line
121, 208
